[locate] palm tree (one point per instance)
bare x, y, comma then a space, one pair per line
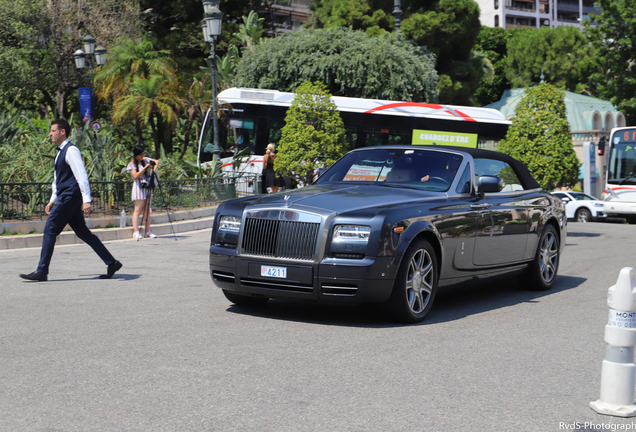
150, 101
128, 61
196, 102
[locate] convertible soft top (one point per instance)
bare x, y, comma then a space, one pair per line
526, 179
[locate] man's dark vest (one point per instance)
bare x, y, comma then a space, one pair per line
64, 180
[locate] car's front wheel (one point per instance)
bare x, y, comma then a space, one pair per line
416, 283
542, 271
583, 215
241, 300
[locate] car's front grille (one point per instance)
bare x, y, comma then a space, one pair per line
280, 239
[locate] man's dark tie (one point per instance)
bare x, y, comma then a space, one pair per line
58, 148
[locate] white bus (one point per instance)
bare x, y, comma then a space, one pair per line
256, 118
620, 175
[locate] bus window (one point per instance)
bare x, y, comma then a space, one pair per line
352, 136
381, 136
274, 131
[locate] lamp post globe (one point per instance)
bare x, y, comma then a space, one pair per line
80, 59
89, 44
207, 4
214, 18
100, 55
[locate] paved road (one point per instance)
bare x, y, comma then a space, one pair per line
158, 349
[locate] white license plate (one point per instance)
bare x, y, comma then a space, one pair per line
275, 272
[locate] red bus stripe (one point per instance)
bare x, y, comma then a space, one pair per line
455, 113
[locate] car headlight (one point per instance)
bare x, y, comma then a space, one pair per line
599, 205
230, 223
351, 232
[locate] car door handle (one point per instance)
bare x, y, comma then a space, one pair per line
480, 206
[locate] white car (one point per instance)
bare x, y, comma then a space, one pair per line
581, 207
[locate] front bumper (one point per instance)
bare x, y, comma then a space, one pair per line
617, 208
350, 281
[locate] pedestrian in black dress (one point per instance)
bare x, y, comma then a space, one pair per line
269, 176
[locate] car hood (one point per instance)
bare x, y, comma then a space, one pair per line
338, 198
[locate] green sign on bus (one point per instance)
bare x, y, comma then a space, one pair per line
423, 137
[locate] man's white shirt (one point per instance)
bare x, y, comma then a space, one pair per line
74, 160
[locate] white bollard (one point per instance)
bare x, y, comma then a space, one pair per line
122, 220
618, 374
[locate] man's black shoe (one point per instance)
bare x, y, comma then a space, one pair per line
35, 276
112, 268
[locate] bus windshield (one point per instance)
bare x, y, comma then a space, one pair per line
622, 163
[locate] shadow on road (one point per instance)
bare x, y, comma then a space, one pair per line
450, 304
120, 276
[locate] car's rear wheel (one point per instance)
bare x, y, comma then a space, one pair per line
241, 300
542, 272
416, 283
583, 215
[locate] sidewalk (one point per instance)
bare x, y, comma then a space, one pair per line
182, 221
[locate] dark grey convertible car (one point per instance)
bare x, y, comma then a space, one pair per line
390, 224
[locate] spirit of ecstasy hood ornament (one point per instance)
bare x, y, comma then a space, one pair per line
287, 197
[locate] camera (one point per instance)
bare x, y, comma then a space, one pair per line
144, 184
152, 163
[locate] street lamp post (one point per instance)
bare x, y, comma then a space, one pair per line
397, 11
80, 63
212, 29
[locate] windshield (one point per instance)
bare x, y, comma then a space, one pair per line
622, 164
582, 197
419, 169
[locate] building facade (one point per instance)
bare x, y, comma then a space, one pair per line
535, 13
288, 15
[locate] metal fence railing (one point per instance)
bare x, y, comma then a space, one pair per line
26, 201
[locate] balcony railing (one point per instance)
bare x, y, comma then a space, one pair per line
27, 201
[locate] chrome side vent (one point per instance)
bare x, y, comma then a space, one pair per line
271, 238
224, 276
339, 290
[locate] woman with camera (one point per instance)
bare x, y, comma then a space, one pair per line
142, 168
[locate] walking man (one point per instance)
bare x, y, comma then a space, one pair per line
70, 200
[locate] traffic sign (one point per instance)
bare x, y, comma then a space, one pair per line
96, 126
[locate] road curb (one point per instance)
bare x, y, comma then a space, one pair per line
182, 221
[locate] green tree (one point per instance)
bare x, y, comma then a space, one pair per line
196, 102
449, 30
129, 60
251, 30
492, 42
540, 137
365, 15
349, 62
38, 39
614, 37
313, 135
150, 101
563, 54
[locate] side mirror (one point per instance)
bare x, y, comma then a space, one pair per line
565, 200
489, 184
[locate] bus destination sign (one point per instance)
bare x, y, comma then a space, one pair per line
426, 137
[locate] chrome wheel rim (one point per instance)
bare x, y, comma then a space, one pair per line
549, 257
419, 281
